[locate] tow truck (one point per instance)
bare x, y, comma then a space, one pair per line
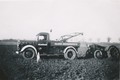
44, 46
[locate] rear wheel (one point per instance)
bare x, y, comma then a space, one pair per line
29, 53
98, 54
70, 54
113, 52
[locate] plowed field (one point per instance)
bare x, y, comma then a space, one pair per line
14, 67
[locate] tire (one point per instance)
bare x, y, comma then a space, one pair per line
113, 52
28, 53
98, 54
70, 54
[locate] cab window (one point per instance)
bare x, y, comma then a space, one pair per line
41, 38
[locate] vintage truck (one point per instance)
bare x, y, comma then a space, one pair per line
44, 46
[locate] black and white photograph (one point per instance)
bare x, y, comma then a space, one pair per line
59, 39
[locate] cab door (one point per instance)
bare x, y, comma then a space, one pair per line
42, 44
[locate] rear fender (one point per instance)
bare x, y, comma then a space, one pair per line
70, 47
112, 46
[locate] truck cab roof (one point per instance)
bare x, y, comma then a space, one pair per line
42, 33
45, 35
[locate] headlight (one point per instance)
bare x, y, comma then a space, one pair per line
17, 52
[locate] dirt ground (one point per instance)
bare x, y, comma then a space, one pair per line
14, 67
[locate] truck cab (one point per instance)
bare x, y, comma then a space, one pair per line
43, 36
43, 42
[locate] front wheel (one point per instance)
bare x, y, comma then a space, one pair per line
70, 54
98, 54
29, 53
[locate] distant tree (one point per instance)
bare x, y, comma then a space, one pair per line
108, 39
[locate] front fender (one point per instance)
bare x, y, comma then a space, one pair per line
31, 46
28, 46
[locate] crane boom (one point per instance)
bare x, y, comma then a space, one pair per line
64, 38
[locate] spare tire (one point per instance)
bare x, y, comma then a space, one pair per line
28, 53
113, 52
98, 54
70, 54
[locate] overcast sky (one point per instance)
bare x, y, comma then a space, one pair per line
95, 18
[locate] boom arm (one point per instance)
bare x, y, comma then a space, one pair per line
64, 38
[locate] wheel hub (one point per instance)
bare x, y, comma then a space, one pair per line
28, 54
70, 54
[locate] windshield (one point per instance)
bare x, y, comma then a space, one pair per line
40, 38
